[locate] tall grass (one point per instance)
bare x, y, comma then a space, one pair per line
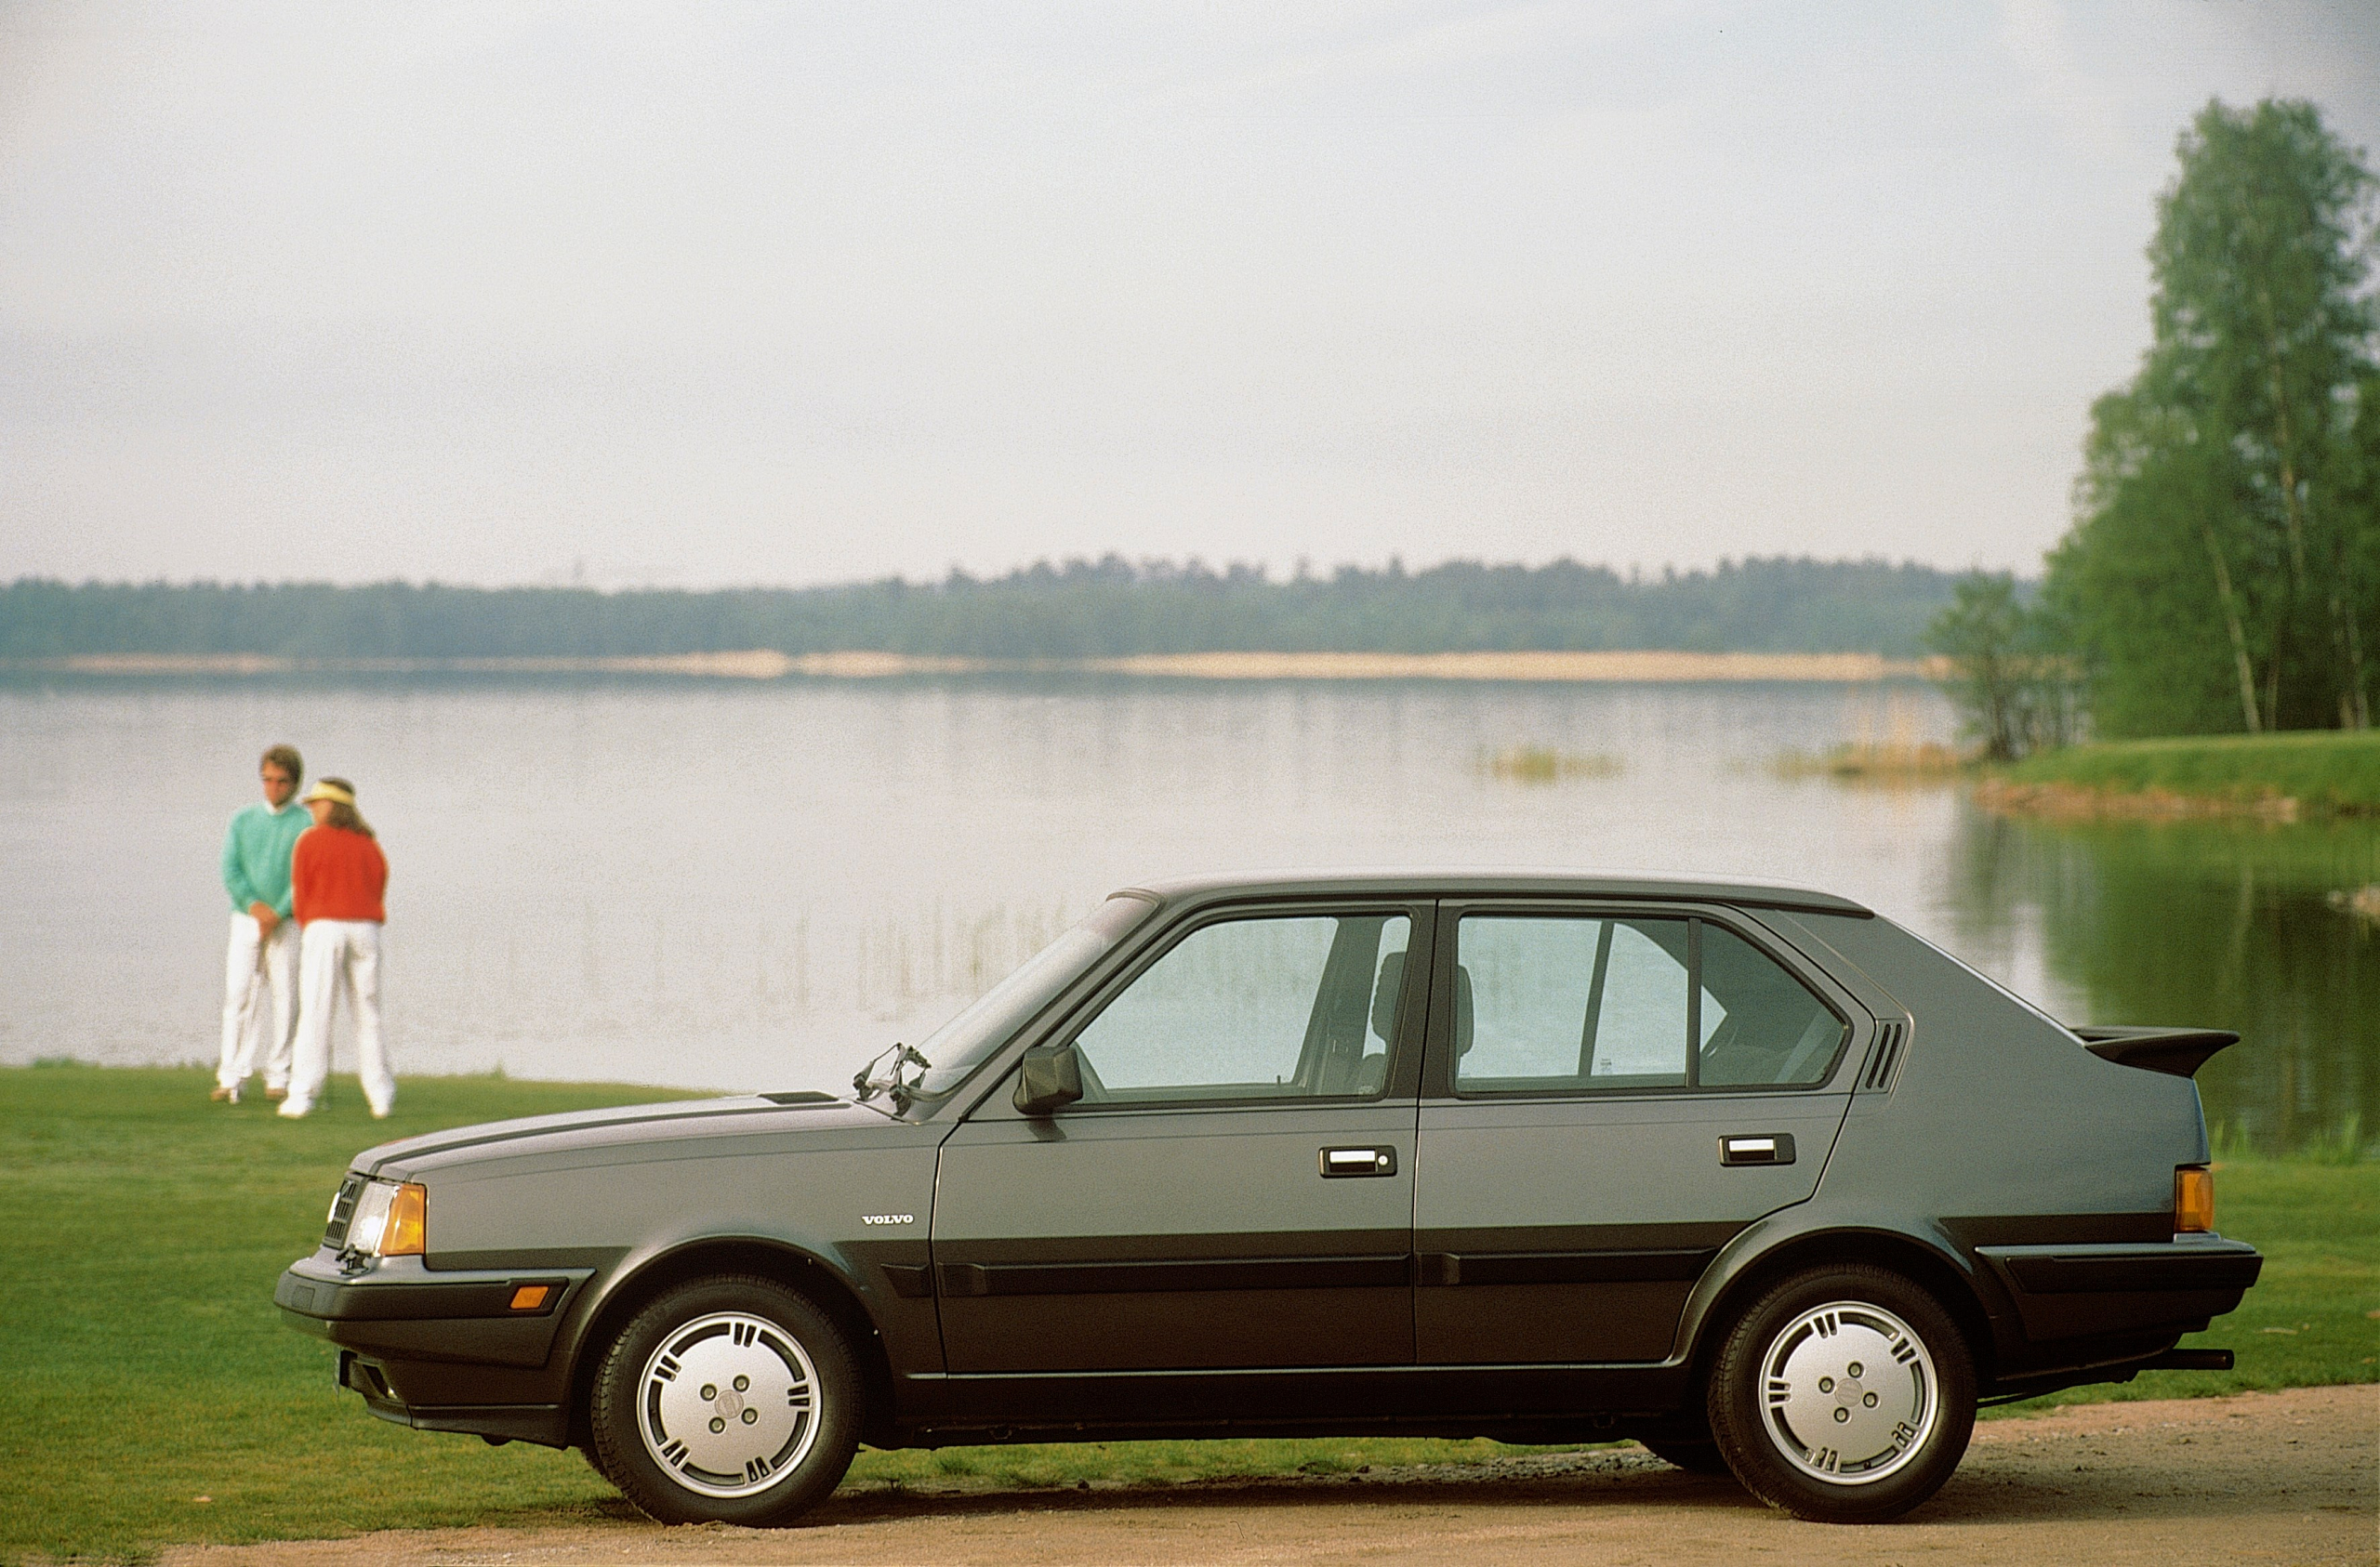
2347, 1143
1885, 748
1541, 764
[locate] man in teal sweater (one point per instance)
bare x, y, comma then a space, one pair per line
263, 954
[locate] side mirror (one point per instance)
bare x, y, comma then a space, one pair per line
1048, 1077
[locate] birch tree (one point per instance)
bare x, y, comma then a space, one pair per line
2220, 569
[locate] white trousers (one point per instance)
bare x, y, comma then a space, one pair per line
253, 966
340, 957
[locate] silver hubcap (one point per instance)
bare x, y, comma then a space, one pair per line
1848, 1393
728, 1403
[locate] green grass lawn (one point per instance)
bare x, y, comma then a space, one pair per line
143, 1367
2324, 770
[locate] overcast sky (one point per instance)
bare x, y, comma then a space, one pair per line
698, 294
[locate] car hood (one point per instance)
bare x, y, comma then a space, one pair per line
616, 1128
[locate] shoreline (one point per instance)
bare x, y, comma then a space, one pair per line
2291, 776
1642, 666
2083, 802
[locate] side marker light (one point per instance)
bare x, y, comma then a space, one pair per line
408, 1219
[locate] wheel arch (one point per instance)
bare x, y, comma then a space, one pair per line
1926, 1265
798, 1270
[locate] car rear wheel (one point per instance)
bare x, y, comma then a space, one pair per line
728, 1400
1844, 1394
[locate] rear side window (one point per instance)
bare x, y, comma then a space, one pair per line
1759, 1025
1561, 1004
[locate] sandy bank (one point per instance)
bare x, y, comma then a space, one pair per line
766, 664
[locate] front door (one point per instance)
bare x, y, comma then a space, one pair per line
1233, 1190
1612, 1096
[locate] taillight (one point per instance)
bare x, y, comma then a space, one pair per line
2193, 1200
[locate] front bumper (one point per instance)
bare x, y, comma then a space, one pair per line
440, 1349
2090, 1291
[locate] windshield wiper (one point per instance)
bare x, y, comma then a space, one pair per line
866, 1085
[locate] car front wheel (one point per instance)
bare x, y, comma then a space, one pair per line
728, 1400
1844, 1394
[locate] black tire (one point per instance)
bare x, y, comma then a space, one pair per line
1844, 1394
1685, 1453
595, 1461
728, 1400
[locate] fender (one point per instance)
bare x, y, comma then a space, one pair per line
634, 1266
1809, 1233
885, 1330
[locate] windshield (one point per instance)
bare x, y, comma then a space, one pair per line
959, 1045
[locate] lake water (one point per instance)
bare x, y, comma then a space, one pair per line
758, 884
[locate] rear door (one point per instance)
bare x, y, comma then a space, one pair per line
1233, 1190
1613, 1092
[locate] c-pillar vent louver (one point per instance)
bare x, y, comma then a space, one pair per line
1886, 1056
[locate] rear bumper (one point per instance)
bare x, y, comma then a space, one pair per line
2068, 1292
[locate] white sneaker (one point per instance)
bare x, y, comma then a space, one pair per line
293, 1110
380, 1112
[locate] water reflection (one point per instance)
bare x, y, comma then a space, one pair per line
2218, 924
763, 884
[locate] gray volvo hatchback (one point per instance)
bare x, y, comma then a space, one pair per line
1745, 1172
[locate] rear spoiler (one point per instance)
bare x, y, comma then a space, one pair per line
2177, 1051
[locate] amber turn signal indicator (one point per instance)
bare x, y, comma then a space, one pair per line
528, 1297
2193, 1200
408, 1217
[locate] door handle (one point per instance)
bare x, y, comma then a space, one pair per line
1339, 1164
1775, 1148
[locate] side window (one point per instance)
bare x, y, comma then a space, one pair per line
1262, 1009
1554, 1004
1759, 1025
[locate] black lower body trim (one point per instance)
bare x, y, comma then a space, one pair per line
544, 1424
2054, 1271
2118, 1290
1339, 1401
1174, 1277
1678, 1265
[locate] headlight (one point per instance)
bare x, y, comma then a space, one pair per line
388, 1219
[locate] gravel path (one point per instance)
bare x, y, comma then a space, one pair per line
2285, 1478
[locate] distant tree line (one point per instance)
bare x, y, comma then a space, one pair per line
2223, 570
1080, 609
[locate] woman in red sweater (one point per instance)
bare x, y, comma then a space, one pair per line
336, 878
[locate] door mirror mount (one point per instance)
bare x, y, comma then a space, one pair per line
1048, 1077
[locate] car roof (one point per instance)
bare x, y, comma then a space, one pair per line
1493, 882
